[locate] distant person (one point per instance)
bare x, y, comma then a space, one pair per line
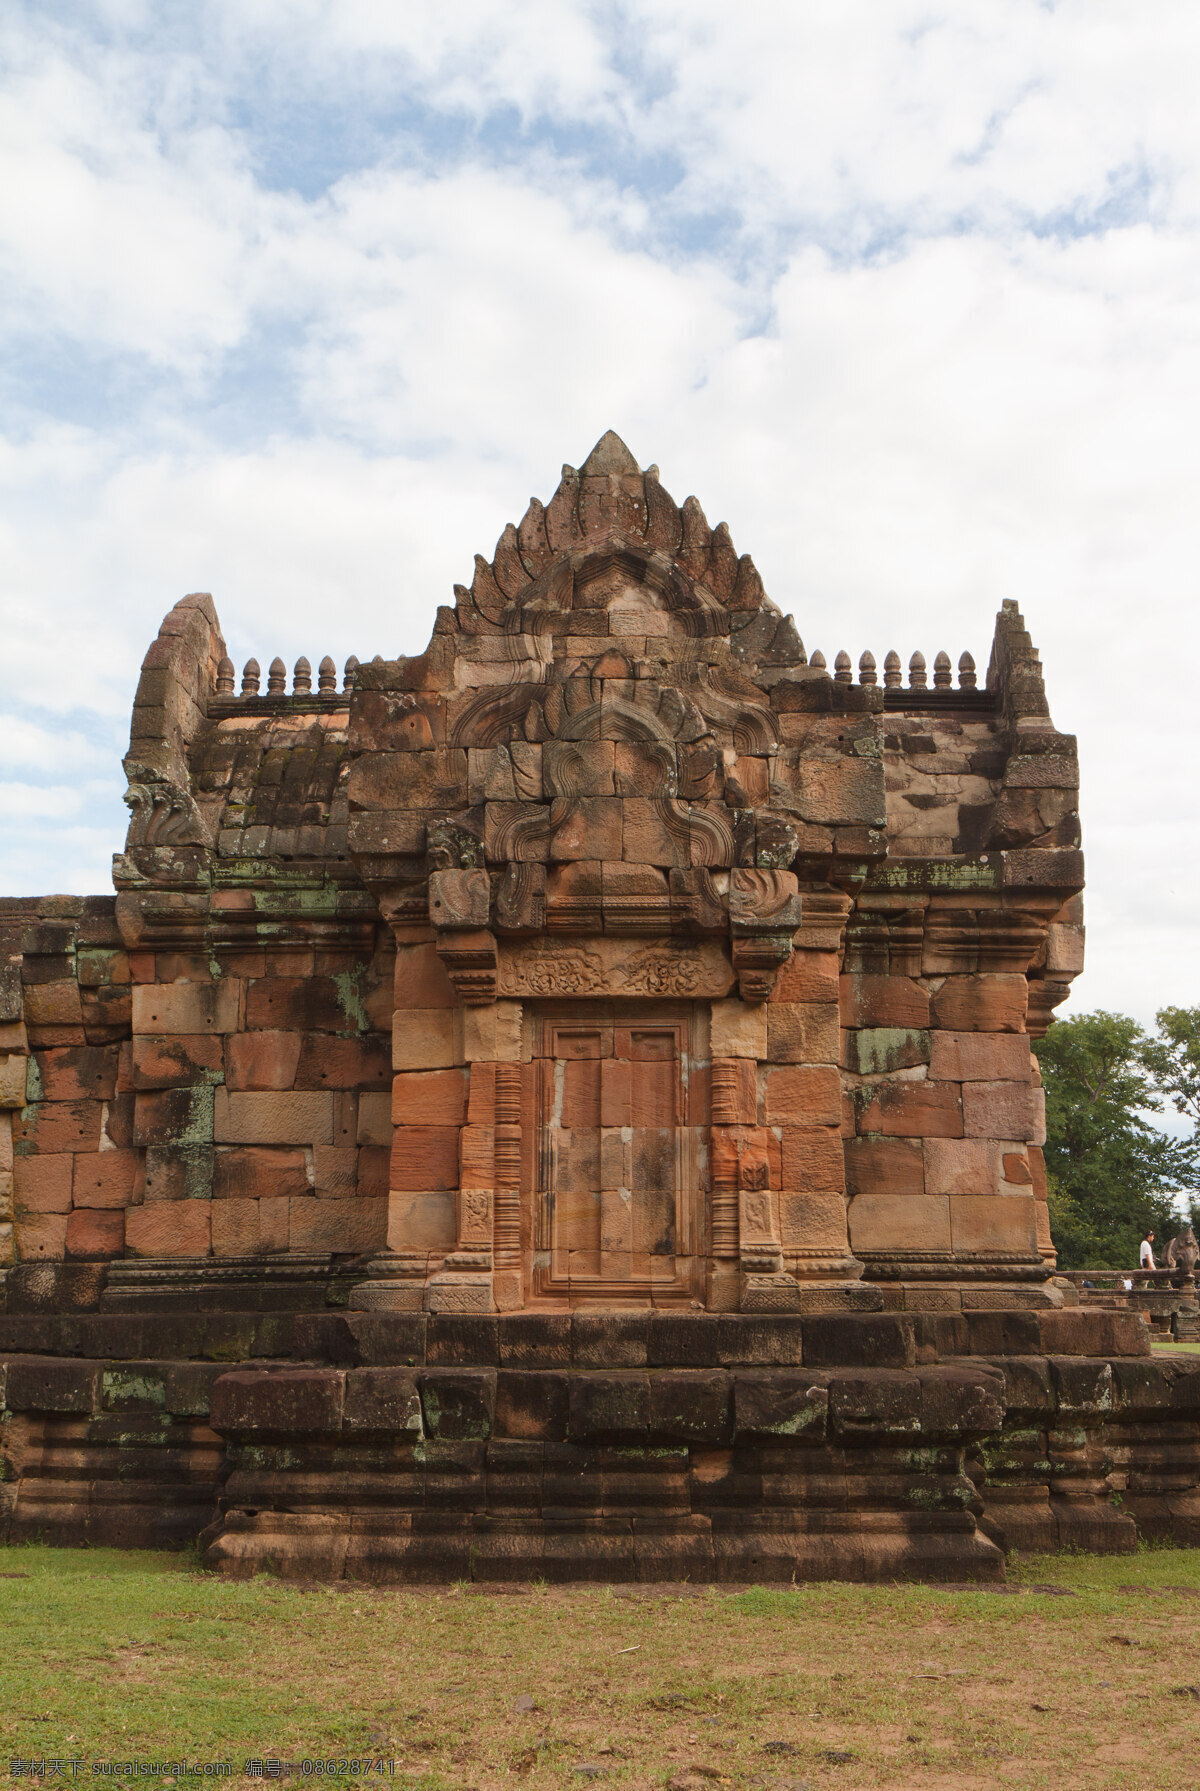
1146, 1254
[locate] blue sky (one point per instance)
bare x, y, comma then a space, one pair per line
300, 302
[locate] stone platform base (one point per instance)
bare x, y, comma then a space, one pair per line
604, 1447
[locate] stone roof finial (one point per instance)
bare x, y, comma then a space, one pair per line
610, 455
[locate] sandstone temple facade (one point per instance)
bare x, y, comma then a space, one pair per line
610, 965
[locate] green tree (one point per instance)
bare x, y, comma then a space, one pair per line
1111, 1175
1173, 1059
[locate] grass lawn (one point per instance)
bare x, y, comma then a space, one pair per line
1075, 1676
1177, 1349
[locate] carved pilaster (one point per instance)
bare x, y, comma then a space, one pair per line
506, 1219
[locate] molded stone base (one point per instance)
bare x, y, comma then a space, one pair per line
598, 1445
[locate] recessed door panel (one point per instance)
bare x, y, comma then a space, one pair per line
620, 1203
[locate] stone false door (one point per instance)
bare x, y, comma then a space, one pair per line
620, 1158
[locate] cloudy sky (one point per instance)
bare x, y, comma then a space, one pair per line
302, 299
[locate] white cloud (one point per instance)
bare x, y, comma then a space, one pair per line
910, 356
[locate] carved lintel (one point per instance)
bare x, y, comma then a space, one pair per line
471, 960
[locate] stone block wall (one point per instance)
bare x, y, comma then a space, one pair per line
610, 950
226, 1102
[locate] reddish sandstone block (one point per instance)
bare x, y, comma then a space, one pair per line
174, 1116
813, 1222
275, 1117
803, 1097
802, 1032
884, 1166
421, 979
298, 1004
374, 1117
273, 1225
43, 1184
424, 1157
176, 1060
812, 1160
589, 827
428, 1039
261, 1060
335, 1171
259, 1173
55, 1126
105, 1180
327, 1062
477, 1146
178, 1172
439, 1097
14, 1075
960, 1166
1015, 1171
187, 1007
426, 1221
994, 1003
235, 1228
921, 1109
1041, 1223
41, 1237
1004, 1226
95, 1233
169, 1228
915, 1223
344, 1226
1000, 1110
883, 1001
53, 1005
78, 1072
1037, 1171
980, 1057
808, 976
374, 1162
645, 838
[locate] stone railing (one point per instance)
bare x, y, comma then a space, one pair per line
252, 699
893, 677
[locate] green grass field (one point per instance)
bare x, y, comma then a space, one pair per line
1083, 1673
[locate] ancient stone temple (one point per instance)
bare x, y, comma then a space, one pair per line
564, 1102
